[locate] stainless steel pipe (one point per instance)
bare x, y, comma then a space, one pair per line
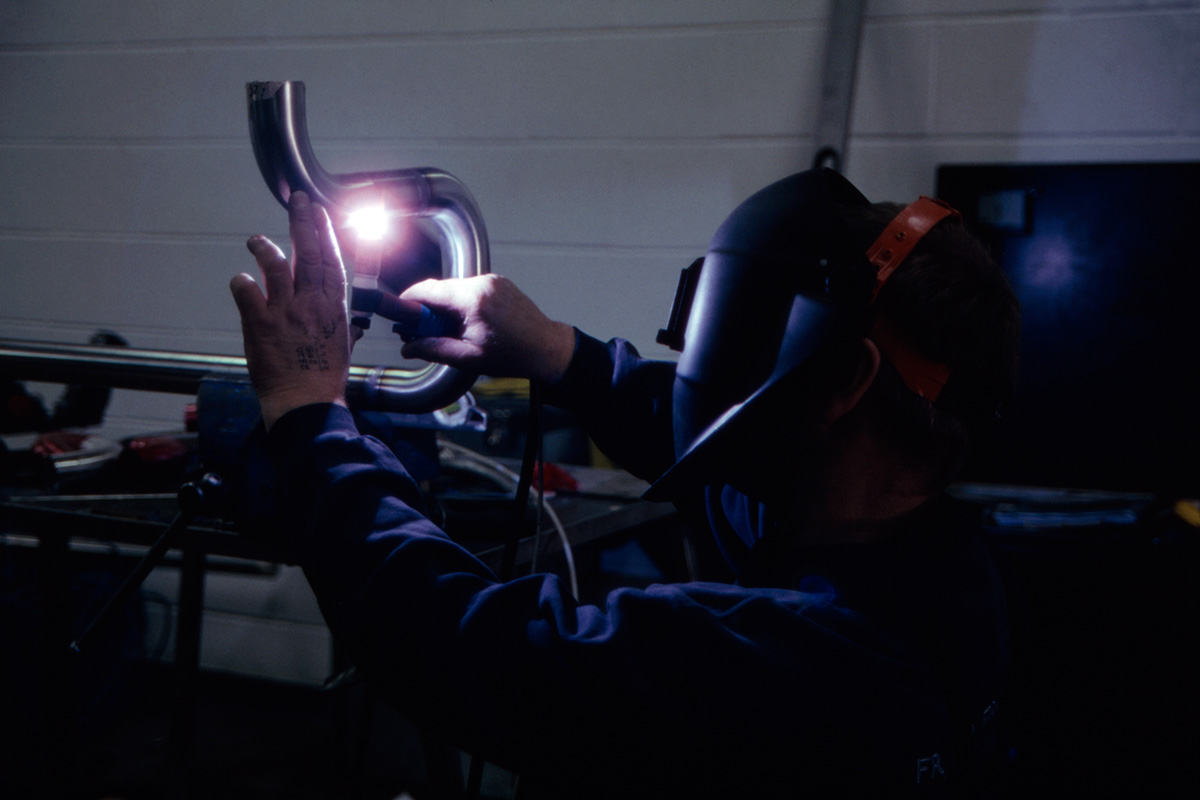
377, 388
279, 134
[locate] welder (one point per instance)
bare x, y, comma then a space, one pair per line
837, 357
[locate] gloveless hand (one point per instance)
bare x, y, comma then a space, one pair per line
503, 333
297, 336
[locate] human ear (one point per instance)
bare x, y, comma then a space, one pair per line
848, 395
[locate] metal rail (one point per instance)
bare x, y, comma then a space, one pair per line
378, 388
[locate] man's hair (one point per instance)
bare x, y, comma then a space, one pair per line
955, 306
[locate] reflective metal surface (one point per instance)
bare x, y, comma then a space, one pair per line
279, 134
374, 388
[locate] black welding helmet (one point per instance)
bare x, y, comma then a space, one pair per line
782, 277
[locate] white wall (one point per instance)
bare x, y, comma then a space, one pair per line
1001, 81
604, 141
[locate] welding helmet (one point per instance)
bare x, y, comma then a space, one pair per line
783, 277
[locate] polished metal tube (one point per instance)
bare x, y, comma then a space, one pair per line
378, 388
279, 134
118, 367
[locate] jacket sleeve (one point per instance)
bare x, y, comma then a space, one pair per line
673, 683
623, 401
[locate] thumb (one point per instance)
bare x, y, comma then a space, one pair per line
442, 293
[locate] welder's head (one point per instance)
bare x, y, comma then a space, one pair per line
793, 281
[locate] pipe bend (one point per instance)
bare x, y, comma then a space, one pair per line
279, 135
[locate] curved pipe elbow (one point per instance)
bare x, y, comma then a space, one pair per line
279, 134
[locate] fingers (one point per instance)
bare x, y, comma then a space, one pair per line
249, 300
333, 273
306, 244
315, 247
277, 275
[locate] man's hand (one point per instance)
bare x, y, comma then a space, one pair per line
503, 333
296, 337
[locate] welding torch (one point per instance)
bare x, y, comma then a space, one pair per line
411, 320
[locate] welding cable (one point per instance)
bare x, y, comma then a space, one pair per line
541, 504
468, 459
533, 430
460, 458
559, 528
533, 434
156, 653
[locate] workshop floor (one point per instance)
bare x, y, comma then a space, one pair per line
253, 739
97, 725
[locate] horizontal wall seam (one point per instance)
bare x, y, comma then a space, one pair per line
371, 40
1173, 136
939, 19
237, 238
369, 144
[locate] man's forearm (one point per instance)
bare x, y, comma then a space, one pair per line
623, 401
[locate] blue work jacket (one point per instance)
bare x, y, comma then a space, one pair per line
868, 668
